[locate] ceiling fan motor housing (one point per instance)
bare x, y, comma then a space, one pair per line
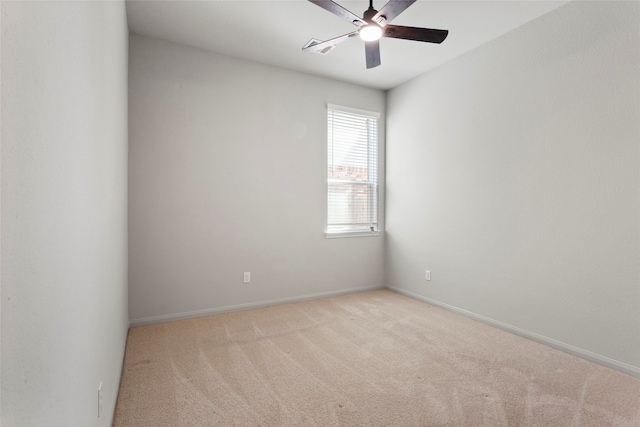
371, 31
369, 14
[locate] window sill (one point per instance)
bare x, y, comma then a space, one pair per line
352, 234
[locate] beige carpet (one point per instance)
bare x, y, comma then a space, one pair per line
368, 359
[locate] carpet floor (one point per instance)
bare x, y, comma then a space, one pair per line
369, 359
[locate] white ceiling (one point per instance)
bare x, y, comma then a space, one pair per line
273, 32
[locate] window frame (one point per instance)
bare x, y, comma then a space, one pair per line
359, 232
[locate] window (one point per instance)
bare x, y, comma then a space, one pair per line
352, 173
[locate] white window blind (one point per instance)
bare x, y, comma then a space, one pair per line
352, 174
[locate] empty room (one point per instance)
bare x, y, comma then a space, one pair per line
320, 213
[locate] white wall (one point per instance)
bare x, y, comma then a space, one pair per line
64, 210
227, 174
513, 175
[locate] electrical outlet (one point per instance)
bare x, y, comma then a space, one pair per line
427, 275
100, 400
247, 277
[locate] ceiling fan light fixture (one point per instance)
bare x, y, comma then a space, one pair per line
370, 32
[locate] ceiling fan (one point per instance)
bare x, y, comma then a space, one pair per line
374, 25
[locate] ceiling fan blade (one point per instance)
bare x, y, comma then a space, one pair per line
340, 11
391, 10
331, 42
413, 33
372, 51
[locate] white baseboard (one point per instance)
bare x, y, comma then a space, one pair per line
114, 399
558, 345
237, 307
